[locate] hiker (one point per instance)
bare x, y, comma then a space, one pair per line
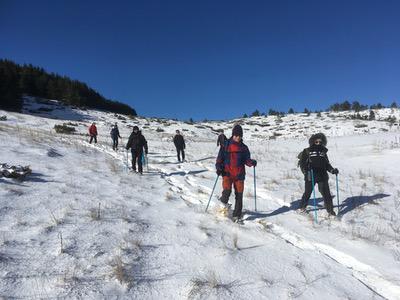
315, 159
179, 145
221, 139
115, 135
93, 133
230, 164
136, 143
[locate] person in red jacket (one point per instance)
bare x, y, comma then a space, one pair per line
93, 133
231, 162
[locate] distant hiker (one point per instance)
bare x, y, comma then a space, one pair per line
136, 143
315, 159
179, 145
114, 136
93, 133
231, 162
221, 139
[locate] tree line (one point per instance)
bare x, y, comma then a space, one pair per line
18, 80
337, 107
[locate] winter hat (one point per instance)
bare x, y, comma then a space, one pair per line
135, 128
318, 136
237, 130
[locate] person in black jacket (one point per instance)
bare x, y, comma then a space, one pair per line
136, 143
221, 139
179, 145
314, 162
114, 136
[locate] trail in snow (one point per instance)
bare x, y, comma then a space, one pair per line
363, 272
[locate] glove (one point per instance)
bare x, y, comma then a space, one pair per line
254, 163
335, 171
220, 172
147, 152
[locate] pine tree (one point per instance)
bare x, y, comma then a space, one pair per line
10, 93
16, 80
356, 106
371, 115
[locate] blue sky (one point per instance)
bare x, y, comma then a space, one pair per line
213, 59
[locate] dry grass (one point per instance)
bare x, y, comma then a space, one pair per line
362, 174
131, 246
169, 196
201, 191
287, 175
305, 283
95, 214
55, 220
208, 284
266, 226
120, 272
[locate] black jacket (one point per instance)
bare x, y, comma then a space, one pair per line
221, 140
115, 133
179, 142
137, 142
315, 158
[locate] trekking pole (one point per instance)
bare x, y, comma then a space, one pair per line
143, 160
127, 161
147, 163
255, 190
315, 201
212, 192
337, 193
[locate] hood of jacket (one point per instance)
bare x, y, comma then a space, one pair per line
317, 136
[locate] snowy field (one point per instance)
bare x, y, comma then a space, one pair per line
83, 227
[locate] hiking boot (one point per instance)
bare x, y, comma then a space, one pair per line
332, 213
302, 210
225, 205
237, 220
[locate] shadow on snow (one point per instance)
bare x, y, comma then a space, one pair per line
346, 206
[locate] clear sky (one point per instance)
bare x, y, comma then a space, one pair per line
213, 59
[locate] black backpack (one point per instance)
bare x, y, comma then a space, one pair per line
300, 155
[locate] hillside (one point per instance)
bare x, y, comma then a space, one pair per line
17, 81
83, 226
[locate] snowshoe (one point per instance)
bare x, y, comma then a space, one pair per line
224, 209
238, 220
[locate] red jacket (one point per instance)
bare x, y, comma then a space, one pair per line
93, 130
232, 158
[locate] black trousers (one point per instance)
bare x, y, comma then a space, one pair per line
179, 151
93, 137
137, 156
115, 143
237, 212
323, 187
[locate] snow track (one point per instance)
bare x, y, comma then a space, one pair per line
156, 223
366, 274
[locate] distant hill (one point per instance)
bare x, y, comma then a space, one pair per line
17, 80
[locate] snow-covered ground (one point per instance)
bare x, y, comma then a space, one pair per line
82, 226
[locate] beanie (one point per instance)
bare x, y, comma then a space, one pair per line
237, 130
